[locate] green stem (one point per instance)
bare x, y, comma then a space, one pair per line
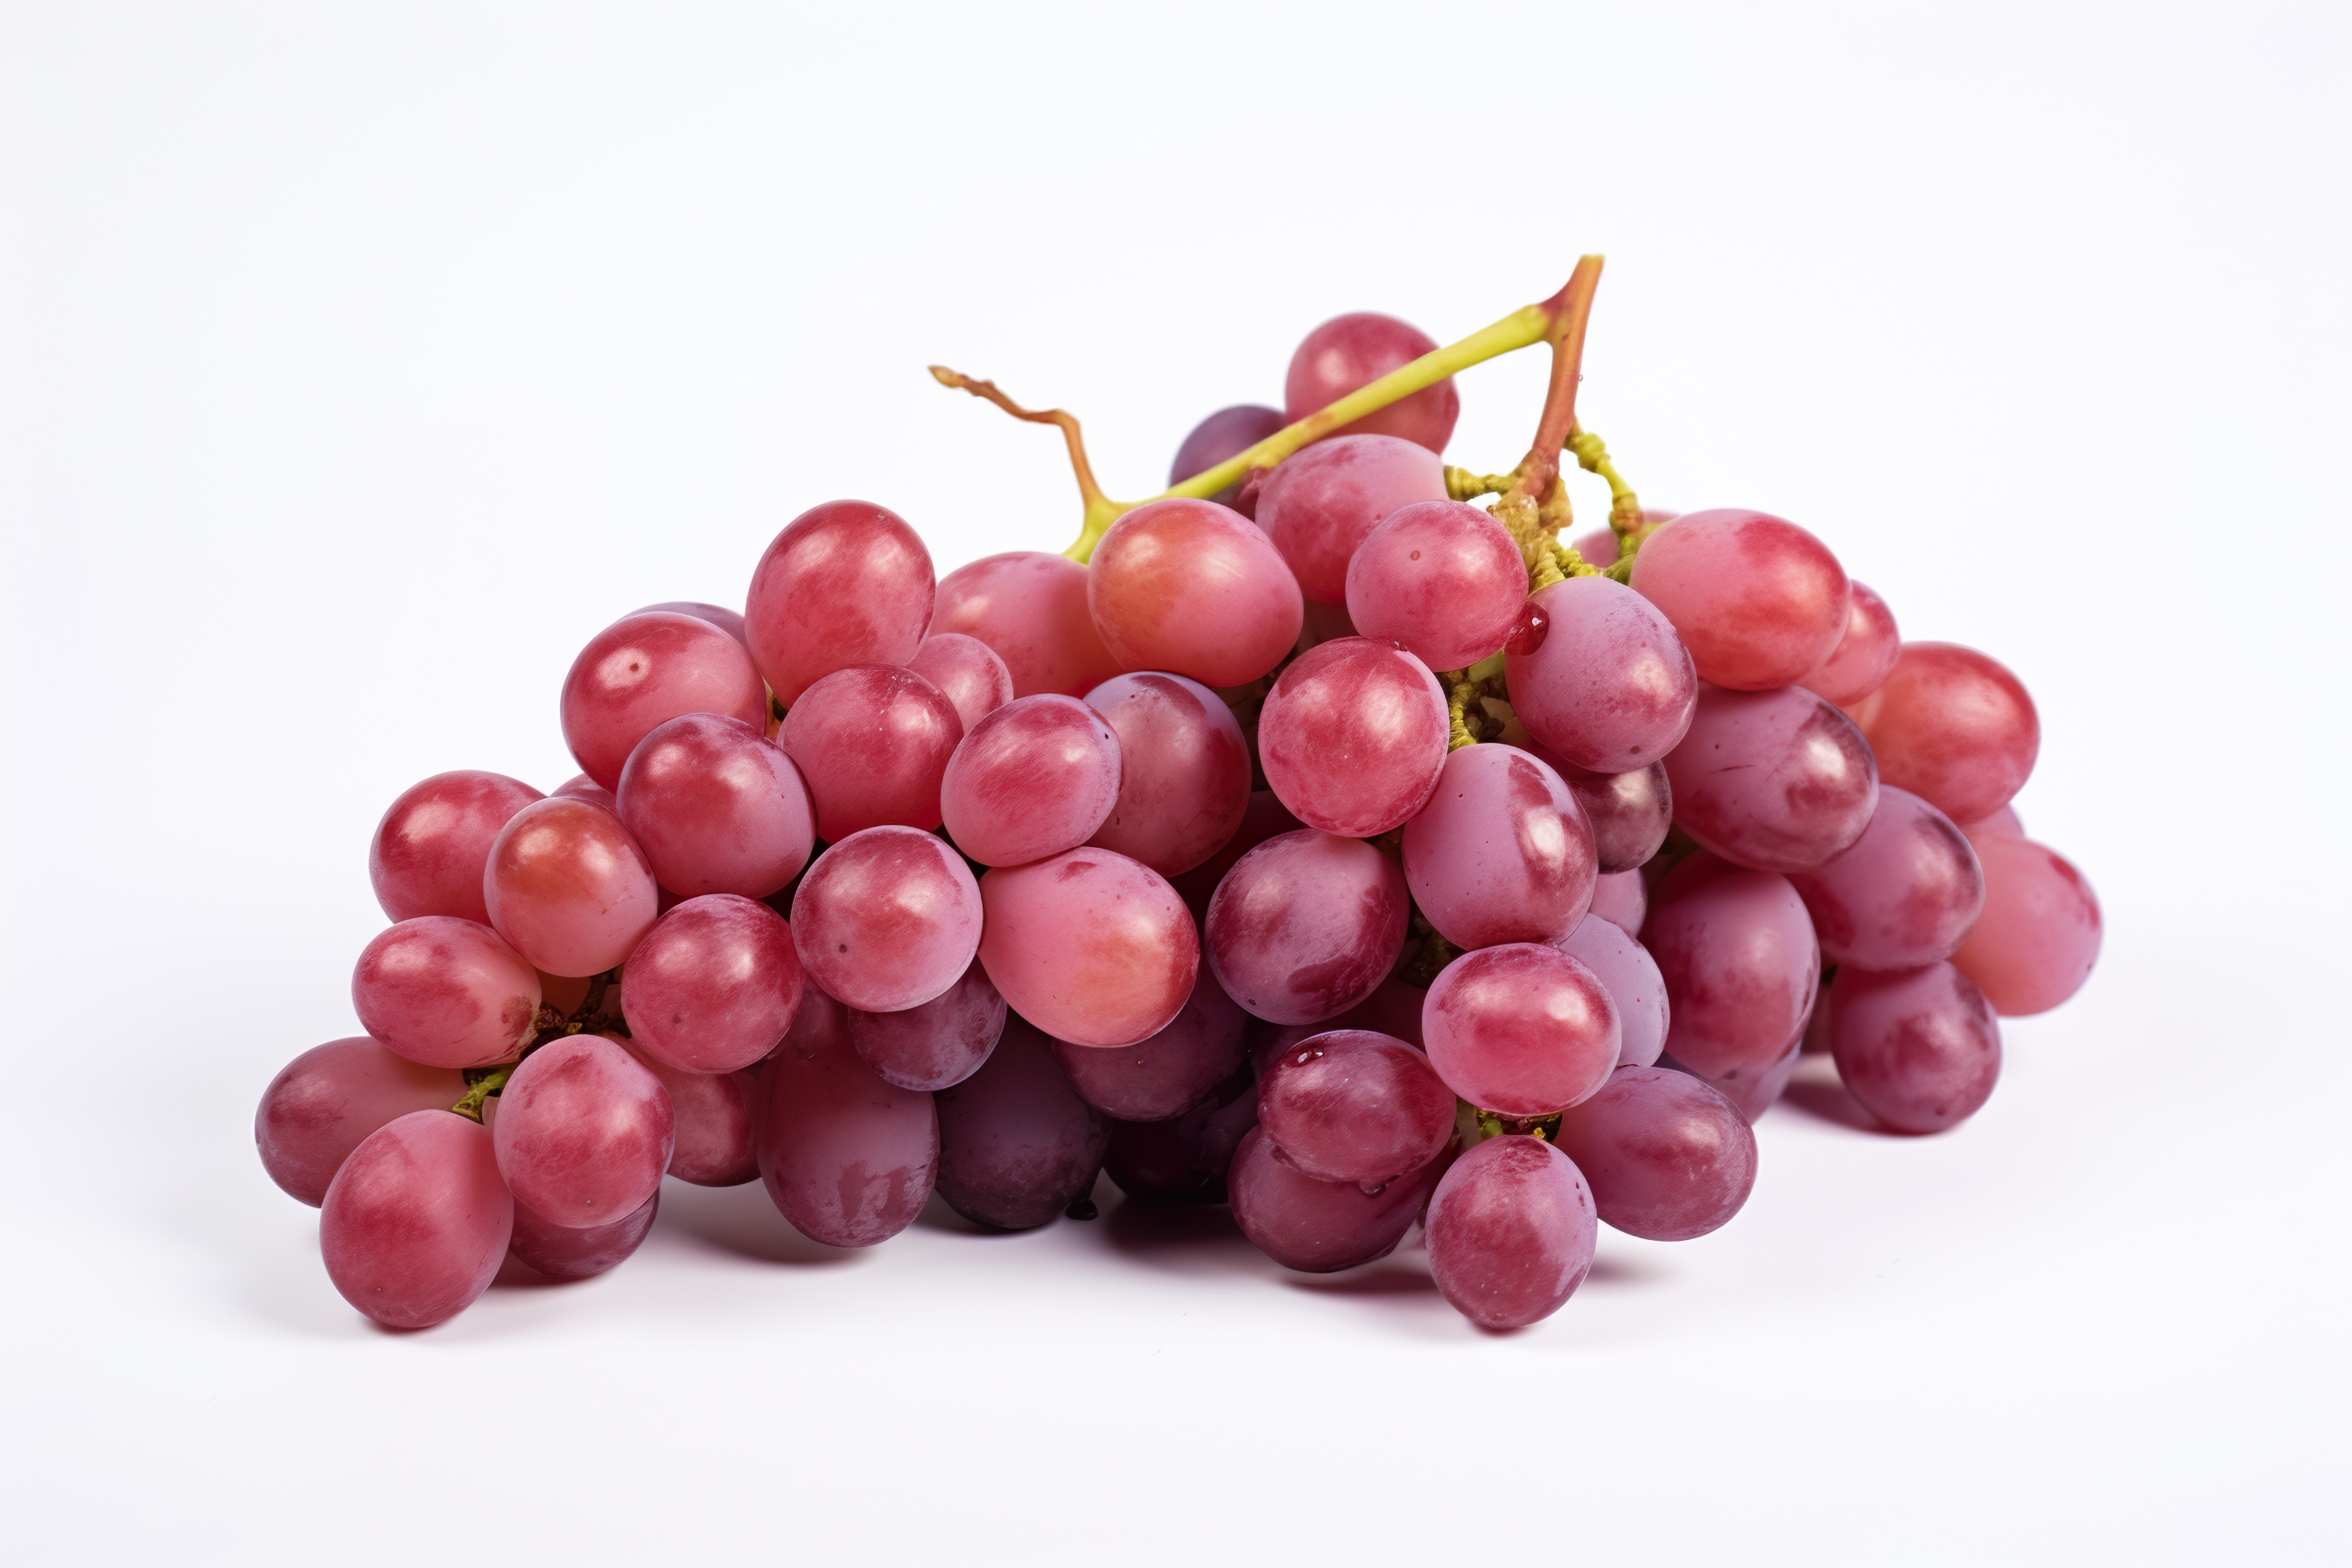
488, 1085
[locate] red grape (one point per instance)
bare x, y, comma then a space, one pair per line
847, 582
1775, 781
712, 1110
1170, 1072
1355, 350
1666, 1156
1630, 976
1511, 1232
1757, 600
1349, 1105
1906, 894
1325, 501
1621, 899
1523, 1029
1319, 1227
1442, 578
1863, 654
325, 1103
1194, 588
1017, 1145
580, 787
934, 1044
847, 1156
1228, 432
568, 1252
427, 855
1090, 946
718, 616
1630, 813
717, 808
1501, 853
873, 744
1184, 771
713, 985
1353, 736
887, 919
1262, 817
1919, 1047
583, 1131
416, 1220
447, 993
968, 673
1030, 607
1183, 1160
569, 887
1034, 778
1740, 964
2039, 935
1954, 727
641, 673
1306, 925
1597, 674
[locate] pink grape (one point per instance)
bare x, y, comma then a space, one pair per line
718, 616
1442, 578
1919, 1047
1621, 899
1319, 1227
1017, 1144
1090, 946
1034, 778
446, 993
580, 787
1599, 545
1324, 503
1740, 964
428, 851
847, 1156
1184, 1159
1666, 1157
1262, 817
1757, 600
1511, 1232
566, 1252
1775, 781
1355, 350
1752, 1092
1030, 607
643, 671
1630, 976
1523, 1029
1193, 588
1170, 1072
968, 673
1353, 1106
2039, 935
712, 1110
936, 1044
1598, 674
873, 744
584, 1131
1863, 654
1501, 853
1906, 893
717, 808
1630, 812
325, 1103
1306, 925
1184, 778
847, 582
1353, 736
569, 888
887, 919
1228, 432
1953, 727
714, 985
2001, 824
416, 1220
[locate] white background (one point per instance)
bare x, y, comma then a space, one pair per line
358, 366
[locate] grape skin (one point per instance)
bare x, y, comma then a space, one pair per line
1666, 1156
1306, 925
1319, 1227
1607, 684
1953, 727
569, 888
580, 787
1511, 1232
717, 808
1353, 736
1355, 350
583, 1131
446, 993
936, 1044
569, 1253
711, 1146
1630, 976
1741, 966
2039, 935
1349, 1105
1184, 771
1193, 588
1757, 600
848, 1157
847, 582
718, 616
325, 1103
1863, 654
872, 742
428, 851
416, 1220
713, 985
643, 671
1621, 898
1090, 946
1523, 1029
1263, 817
1030, 608
1906, 893
968, 673
1017, 1144
1919, 1047
1228, 432
1752, 1092
1174, 1069
1184, 1159
1630, 813
1034, 778
1322, 503
1442, 578
887, 919
1501, 853
1775, 781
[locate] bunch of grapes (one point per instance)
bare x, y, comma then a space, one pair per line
1311, 839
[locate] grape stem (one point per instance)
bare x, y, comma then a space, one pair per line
552, 1026
1559, 320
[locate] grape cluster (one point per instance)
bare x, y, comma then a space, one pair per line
1326, 844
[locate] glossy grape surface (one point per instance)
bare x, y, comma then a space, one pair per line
968, 673
887, 919
1184, 1159
1906, 893
717, 808
1756, 599
847, 1156
1173, 1070
1323, 502
720, 616
2039, 935
1193, 588
1630, 976
1511, 1232
1953, 727
1523, 1029
1775, 781
325, 1103
446, 993
1356, 350
583, 1131
416, 1220
934, 1044
847, 582
1349, 1105
1228, 432
714, 985
1862, 656
711, 1146
1666, 1157
428, 851
1622, 899
568, 1252
1352, 736
1740, 962
568, 886
641, 673
1184, 771
1035, 777
1318, 1227
1090, 946
1502, 851
873, 744
1441, 577
1630, 813
1030, 607
1919, 1047
1306, 925
1017, 1144
1262, 817
1602, 680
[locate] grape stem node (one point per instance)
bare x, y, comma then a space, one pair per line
551, 1025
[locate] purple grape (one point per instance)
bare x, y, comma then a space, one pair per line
1353, 735
934, 1044
1511, 1232
1775, 781
1666, 1156
1349, 1105
1016, 1143
1306, 925
569, 1252
1906, 893
1630, 813
1523, 1029
1630, 976
1741, 964
847, 1156
1228, 432
1171, 1071
1319, 1227
1597, 674
1183, 1160
1752, 1092
1501, 853
1919, 1047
